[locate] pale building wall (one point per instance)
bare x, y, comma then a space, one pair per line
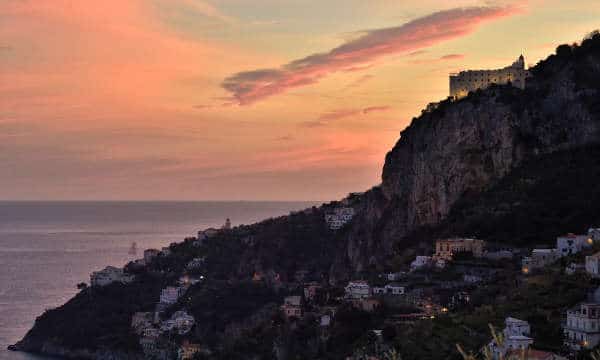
466, 81
445, 249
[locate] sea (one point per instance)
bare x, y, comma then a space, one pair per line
47, 248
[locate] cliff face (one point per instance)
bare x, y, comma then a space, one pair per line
464, 147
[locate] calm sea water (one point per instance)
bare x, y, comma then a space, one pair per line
46, 248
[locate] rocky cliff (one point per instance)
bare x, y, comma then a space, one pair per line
464, 147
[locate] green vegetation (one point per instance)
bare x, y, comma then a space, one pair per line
545, 197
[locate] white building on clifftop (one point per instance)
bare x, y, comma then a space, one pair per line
470, 80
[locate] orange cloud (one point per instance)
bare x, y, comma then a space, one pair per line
251, 86
452, 57
329, 116
375, 109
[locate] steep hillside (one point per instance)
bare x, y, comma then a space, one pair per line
465, 147
505, 164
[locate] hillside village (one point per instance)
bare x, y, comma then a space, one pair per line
433, 285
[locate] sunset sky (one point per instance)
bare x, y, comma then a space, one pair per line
238, 99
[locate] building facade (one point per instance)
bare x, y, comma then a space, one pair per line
582, 329
292, 306
594, 234
357, 290
516, 338
538, 259
420, 262
394, 289
470, 80
109, 275
171, 294
572, 244
310, 290
592, 265
446, 249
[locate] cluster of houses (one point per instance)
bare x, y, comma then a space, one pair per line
516, 340
111, 274
294, 307
150, 254
150, 327
566, 245
582, 326
581, 329
446, 249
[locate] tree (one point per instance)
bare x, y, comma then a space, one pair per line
563, 51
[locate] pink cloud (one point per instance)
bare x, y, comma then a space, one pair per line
252, 86
452, 57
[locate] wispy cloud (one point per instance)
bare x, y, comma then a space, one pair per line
252, 86
359, 81
326, 118
375, 109
452, 57
207, 9
448, 57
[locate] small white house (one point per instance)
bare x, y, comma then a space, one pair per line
394, 289
538, 259
420, 262
358, 289
440, 263
171, 294
594, 234
592, 265
582, 329
472, 279
180, 321
573, 268
325, 320
292, 306
516, 337
515, 326
378, 290
195, 263
394, 276
572, 244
